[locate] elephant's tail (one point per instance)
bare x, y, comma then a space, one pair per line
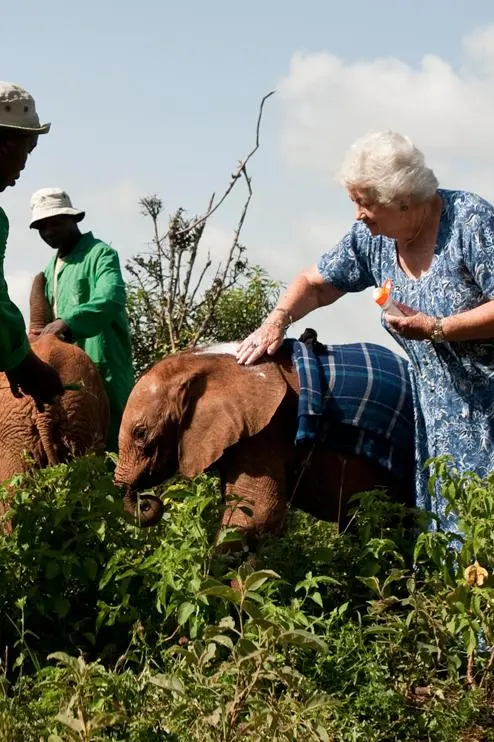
52, 426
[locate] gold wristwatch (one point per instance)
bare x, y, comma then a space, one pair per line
437, 334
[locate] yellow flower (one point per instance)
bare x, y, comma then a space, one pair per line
475, 574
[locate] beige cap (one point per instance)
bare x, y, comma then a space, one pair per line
48, 202
18, 110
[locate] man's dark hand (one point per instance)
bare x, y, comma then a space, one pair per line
58, 328
37, 379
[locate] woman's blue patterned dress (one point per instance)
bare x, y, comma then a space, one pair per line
452, 383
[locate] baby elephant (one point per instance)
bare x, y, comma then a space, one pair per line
196, 409
75, 424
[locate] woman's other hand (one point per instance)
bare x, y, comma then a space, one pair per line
414, 326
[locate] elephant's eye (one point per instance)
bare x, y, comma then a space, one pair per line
139, 434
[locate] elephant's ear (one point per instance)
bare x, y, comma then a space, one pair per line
224, 404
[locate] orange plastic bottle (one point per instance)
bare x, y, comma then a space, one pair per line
383, 296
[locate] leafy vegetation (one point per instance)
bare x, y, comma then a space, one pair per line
178, 295
109, 632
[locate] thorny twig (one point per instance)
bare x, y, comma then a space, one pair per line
235, 176
470, 670
234, 246
194, 253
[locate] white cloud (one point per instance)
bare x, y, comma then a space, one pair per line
479, 50
449, 113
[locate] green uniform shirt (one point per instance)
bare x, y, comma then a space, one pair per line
90, 299
14, 345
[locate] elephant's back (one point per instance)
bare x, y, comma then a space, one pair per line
71, 362
85, 400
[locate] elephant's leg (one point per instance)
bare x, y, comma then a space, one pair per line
254, 505
11, 463
254, 482
332, 479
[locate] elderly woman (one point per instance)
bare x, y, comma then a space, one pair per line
437, 247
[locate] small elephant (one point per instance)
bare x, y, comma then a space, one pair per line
199, 408
77, 423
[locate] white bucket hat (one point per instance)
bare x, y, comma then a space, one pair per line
18, 110
48, 202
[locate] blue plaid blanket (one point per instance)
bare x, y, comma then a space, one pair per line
356, 398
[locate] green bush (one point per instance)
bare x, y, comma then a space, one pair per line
109, 632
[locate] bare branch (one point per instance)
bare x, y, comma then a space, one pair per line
193, 254
207, 265
222, 284
167, 276
238, 173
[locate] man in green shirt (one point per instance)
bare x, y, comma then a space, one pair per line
85, 288
19, 130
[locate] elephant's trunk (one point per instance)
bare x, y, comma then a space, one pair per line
40, 311
149, 512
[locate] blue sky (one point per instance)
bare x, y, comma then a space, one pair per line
160, 97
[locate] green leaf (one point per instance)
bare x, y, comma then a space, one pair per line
185, 610
70, 721
169, 682
222, 639
305, 639
101, 530
322, 733
64, 659
316, 597
90, 567
52, 569
343, 609
222, 591
372, 583
229, 536
61, 605
256, 579
322, 700
244, 648
252, 609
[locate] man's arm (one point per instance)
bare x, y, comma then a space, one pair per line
106, 302
14, 345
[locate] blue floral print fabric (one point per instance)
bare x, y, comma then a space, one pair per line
452, 382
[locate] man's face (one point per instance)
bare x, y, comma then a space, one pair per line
57, 231
13, 157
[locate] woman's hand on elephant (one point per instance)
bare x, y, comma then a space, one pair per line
37, 379
414, 326
266, 339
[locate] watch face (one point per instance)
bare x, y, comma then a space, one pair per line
437, 333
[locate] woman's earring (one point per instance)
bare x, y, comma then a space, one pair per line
404, 207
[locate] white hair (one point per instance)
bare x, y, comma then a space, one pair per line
390, 166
